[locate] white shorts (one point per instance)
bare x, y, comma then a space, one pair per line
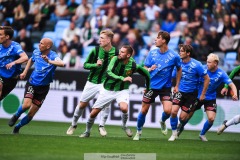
90, 91
106, 97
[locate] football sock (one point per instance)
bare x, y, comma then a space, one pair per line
24, 121
234, 120
174, 122
207, 125
77, 114
124, 119
20, 111
165, 116
104, 116
89, 124
140, 121
183, 122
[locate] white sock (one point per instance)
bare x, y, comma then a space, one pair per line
174, 132
124, 119
89, 124
77, 114
104, 116
234, 120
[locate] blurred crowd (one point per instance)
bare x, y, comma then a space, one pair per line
208, 25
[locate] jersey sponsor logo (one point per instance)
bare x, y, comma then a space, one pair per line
129, 73
9, 51
167, 60
190, 69
193, 65
205, 71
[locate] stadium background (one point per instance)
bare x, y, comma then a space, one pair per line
68, 83
66, 90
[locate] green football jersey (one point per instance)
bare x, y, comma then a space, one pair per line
234, 72
117, 71
98, 73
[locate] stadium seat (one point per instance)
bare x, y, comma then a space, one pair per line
36, 36
146, 39
78, 1
142, 55
99, 1
86, 51
35, 45
9, 19
59, 34
173, 43
57, 42
61, 25
50, 25
230, 59
49, 34
221, 56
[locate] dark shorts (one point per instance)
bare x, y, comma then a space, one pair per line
8, 84
164, 94
185, 100
36, 93
209, 105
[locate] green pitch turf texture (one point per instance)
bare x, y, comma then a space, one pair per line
48, 141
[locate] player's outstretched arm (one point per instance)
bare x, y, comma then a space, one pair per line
234, 89
144, 72
23, 58
28, 66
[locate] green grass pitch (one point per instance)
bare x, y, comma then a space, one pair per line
48, 141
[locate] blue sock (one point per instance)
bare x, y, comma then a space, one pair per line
140, 121
20, 111
174, 122
165, 116
24, 121
207, 125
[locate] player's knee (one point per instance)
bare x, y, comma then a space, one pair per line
211, 119
174, 112
27, 104
183, 118
144, 110
94, 112
124, 110
168, 112
83, 105
33, 111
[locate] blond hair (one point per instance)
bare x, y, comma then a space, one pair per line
213, 57
108, 33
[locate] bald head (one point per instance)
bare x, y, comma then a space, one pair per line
48, 42
45, 44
